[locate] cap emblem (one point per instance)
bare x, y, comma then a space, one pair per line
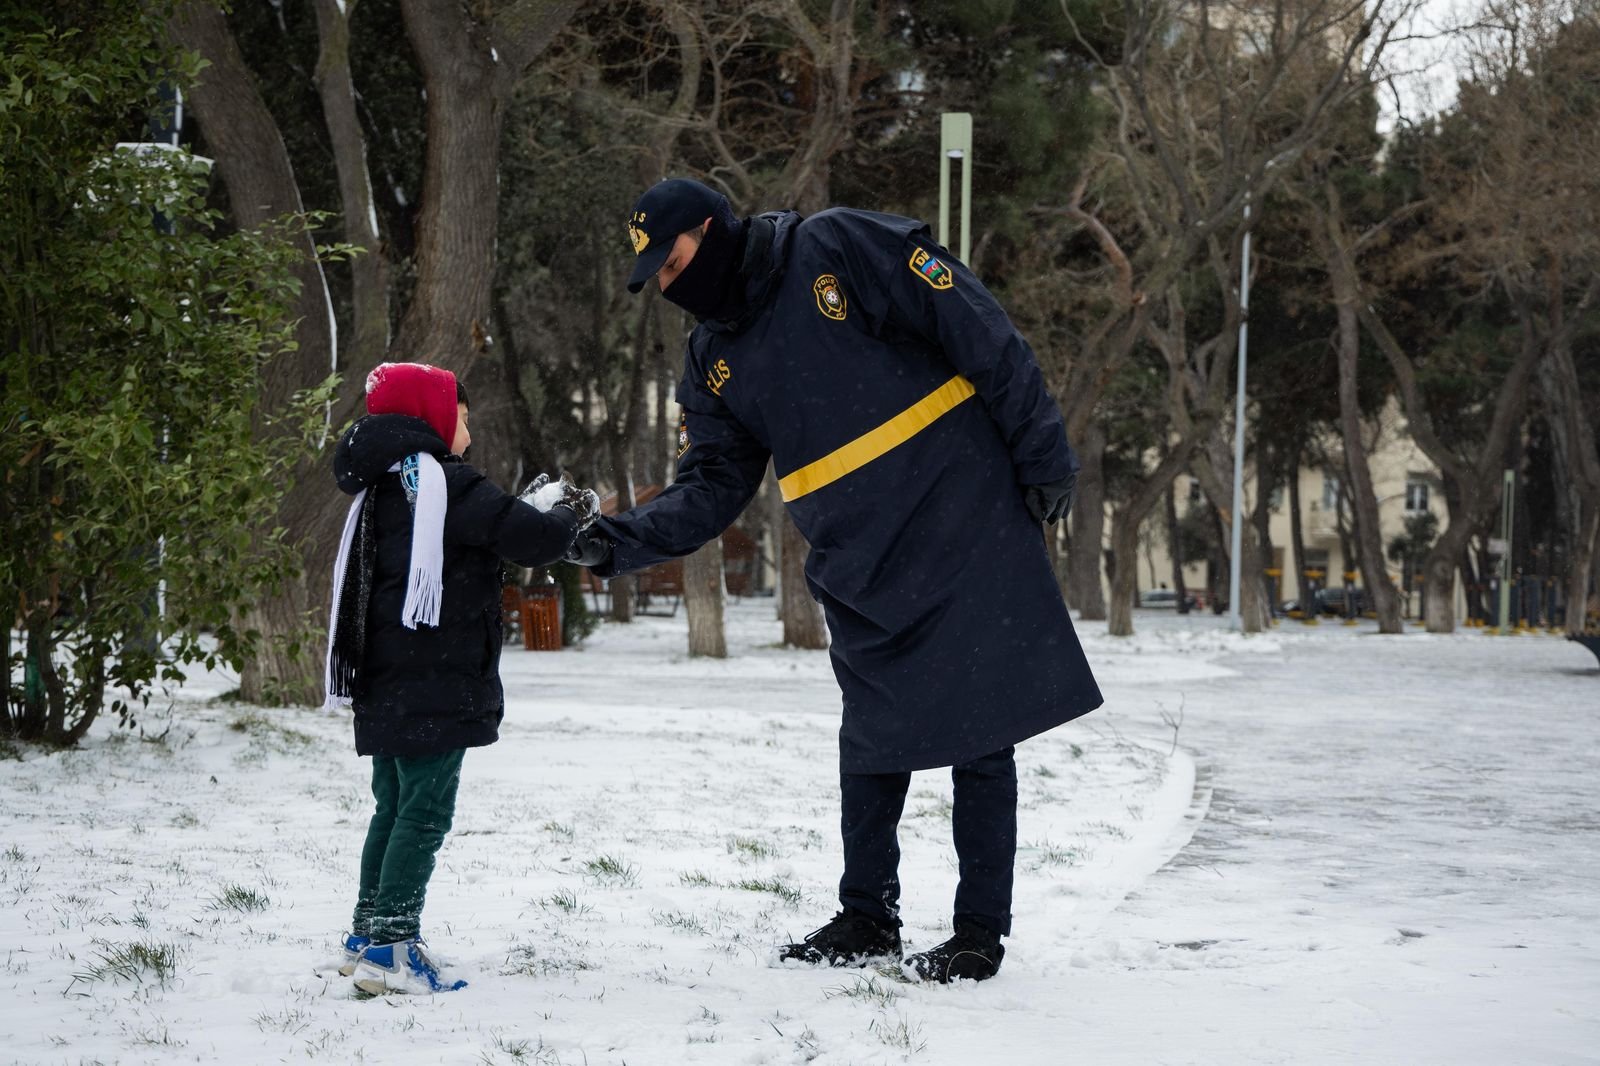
640, 239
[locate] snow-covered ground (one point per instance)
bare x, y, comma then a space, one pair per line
1361, 848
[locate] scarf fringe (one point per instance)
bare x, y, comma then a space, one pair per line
423, 593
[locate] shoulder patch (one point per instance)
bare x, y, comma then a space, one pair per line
683, 434
931, 269
830, 297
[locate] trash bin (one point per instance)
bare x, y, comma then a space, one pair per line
541, 618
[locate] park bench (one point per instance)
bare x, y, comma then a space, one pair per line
661, 582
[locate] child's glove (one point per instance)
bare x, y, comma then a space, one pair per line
585, 503
545, 494
530, 495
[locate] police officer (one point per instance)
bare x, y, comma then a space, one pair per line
917, 450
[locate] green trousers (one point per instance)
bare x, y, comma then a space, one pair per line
416, 803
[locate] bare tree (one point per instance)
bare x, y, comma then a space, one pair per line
1211, 103
1520, 223
369, 271
1340, 249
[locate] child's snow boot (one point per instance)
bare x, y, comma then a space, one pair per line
403, 966
353, 947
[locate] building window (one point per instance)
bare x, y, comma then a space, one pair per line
1416, 495
1330, 492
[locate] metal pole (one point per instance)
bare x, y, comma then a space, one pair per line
1507, 526
1235, 618
966, 197
944, 193
955, 142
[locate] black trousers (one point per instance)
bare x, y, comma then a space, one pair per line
984, 824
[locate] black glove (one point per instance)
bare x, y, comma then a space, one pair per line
585, 503
1051, 502
591, 548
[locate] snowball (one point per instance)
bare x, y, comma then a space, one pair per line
549, 496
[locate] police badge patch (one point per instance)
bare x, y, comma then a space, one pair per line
830, 297
683, 435
931, 269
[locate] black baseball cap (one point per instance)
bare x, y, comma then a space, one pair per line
667, 209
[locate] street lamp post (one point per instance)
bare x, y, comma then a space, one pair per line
1235, 618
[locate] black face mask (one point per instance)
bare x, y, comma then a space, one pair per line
709, 286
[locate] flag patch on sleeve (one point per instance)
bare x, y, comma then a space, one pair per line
931, 268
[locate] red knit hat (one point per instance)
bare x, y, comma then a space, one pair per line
416, 389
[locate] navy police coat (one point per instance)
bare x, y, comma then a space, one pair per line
904, 414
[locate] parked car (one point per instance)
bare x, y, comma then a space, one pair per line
1165, 599
1331, 601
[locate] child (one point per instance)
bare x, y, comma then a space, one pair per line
414, 639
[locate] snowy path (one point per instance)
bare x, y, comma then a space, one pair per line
1401, 862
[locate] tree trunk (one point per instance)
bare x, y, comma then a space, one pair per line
448, 322
1253, 616
1124, 572
369, 280
255, 168
1125, 523
1364, 501
802, 616
1297, 536
1085, 591
1175, 548
1262, 524
1577, 453
1586, 544
703, 597
1472, 477
1594, 568
1439, 588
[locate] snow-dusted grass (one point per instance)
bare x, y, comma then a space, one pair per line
1309, 846
621, 866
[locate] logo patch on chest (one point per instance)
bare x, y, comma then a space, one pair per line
931, 269
830, 297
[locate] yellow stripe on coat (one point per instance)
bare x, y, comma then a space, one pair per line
849, 458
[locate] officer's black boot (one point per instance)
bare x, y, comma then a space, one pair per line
851, 939
973, 954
